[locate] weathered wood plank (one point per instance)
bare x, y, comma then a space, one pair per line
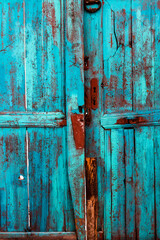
92, 198
144, 158
131, 119
130, 183
156, 51
118, 184
93, 49
117, 55
44, 55
108, 187
39, 235
12, 74
49, 189
157, 180
43, 235
13, 191
143, 58
27, 119
74, 54
53, 54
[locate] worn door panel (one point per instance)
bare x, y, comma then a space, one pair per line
44, 33
13, 183
117, 56
41, 76
122, 51
51, 207
12, 72
129, 168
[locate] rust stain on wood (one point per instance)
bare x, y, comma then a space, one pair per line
135, 120
62, 123
78, 130
49, 11
92, 198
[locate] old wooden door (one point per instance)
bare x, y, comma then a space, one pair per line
122, 63
42, 190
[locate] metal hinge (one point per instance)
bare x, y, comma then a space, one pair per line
88, 3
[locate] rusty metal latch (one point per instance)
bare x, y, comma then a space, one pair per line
88, 3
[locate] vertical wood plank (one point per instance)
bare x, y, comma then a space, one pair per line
93, 49
117, 55
53, 54
13, 192
49, 190
143, 46
118, 184
156, 51
144, 158
130, 183
33, 46
157, 180
91, 174
45, 55
108, 187
144, 99
74, 56
92, 198
12, 74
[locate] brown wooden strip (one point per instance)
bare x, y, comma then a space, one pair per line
92, 198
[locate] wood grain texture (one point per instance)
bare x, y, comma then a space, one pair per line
131, 199
129, 151
143, 58
33, 40
144, 158
50, 200
29, 119
93, 49
131, 104
117, 56
156, 51
13, 192
108, 186
118, 184
39, 235
74, 55
12, 74
157, 180
131, 119
92, 198
44, 55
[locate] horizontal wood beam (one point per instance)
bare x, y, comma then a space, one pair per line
32, 119
42, 235
38, 235
130, 119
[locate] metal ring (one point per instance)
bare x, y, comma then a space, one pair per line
92, 10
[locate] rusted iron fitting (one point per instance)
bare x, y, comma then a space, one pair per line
88, 5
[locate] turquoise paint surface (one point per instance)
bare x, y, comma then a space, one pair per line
41, 71
36, 73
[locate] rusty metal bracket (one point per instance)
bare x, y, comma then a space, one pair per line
78, 130
88, 3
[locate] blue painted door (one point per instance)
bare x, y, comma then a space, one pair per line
42, 190
122, 52
42, 151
